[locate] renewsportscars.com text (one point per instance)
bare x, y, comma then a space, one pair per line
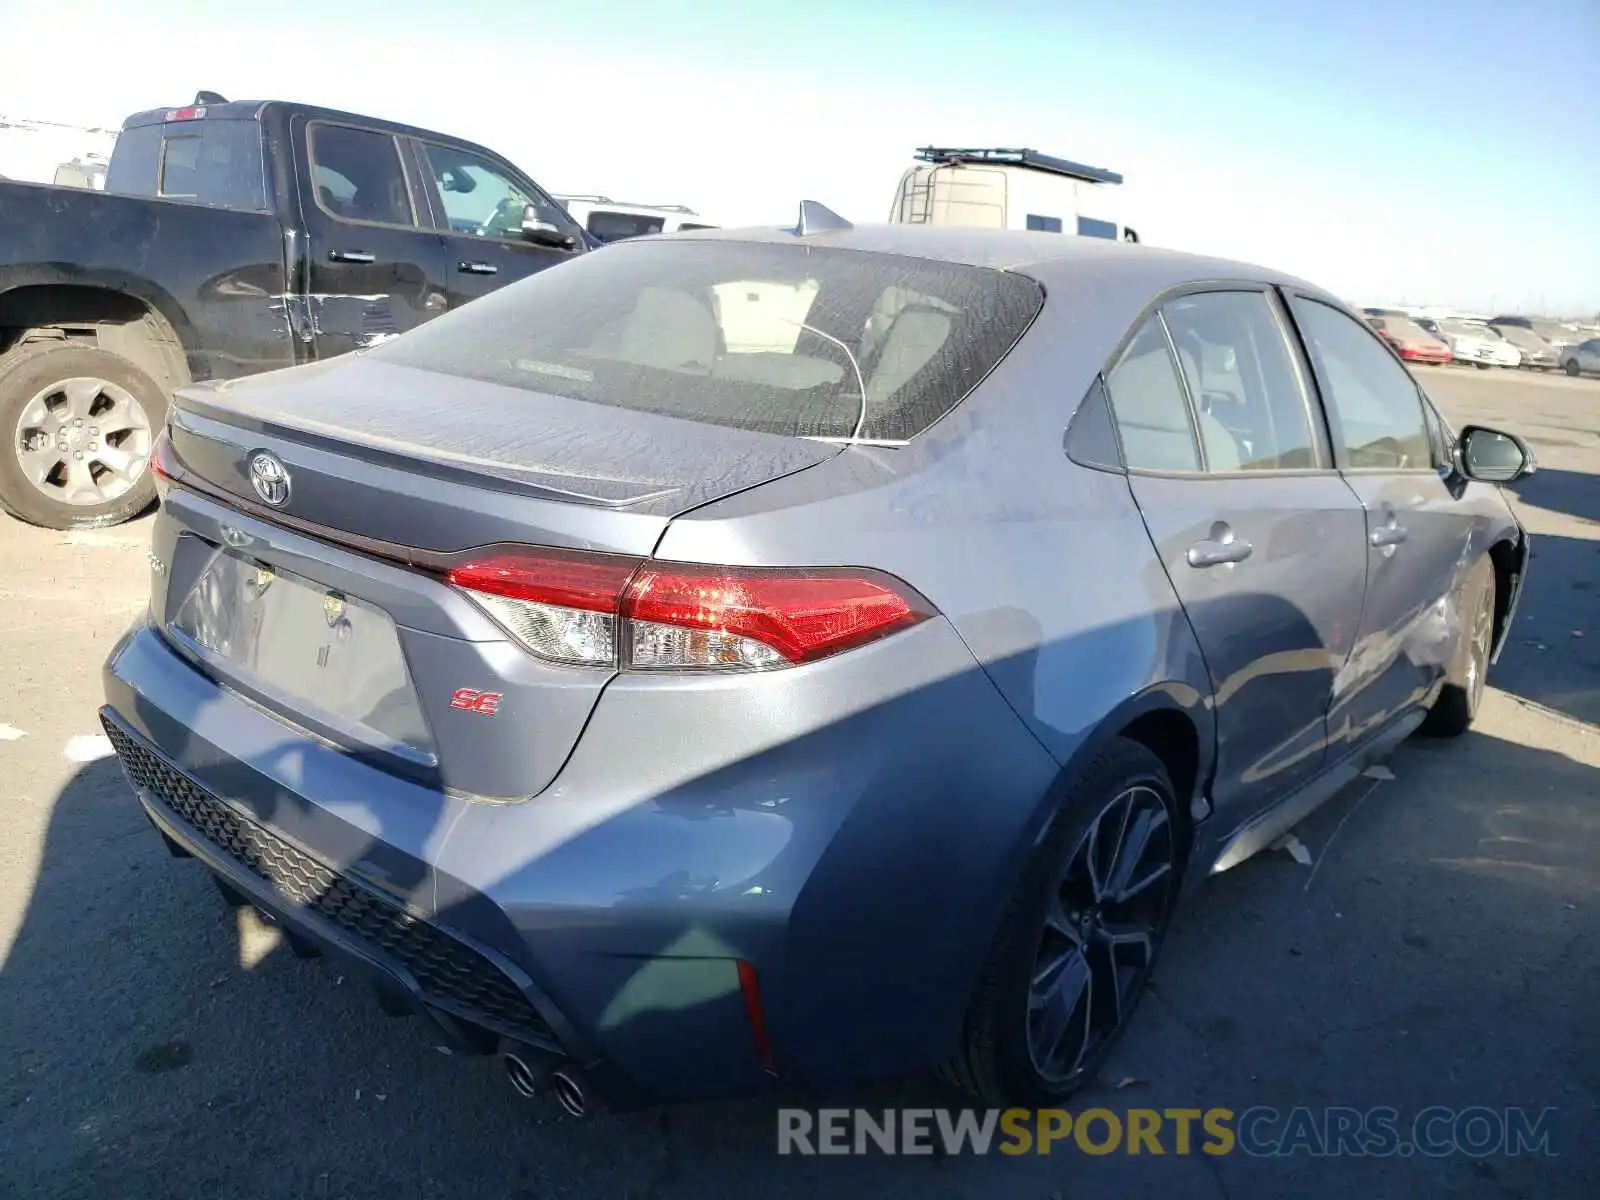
1435, 1132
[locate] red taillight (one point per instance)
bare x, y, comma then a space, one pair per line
606, 610
755, 1013
796, 616
160, 468
568, 580
184, 114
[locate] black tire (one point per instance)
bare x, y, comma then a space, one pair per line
30, 369
1458, 702
1572, 368
997, 1062
1482, 366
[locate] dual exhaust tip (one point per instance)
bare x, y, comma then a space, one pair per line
566, 1083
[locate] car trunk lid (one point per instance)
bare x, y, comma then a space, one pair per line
324, 599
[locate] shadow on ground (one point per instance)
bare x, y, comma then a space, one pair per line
1445, 951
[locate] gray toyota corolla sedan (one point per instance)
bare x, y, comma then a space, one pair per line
782, 655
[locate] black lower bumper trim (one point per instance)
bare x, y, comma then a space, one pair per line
318, 905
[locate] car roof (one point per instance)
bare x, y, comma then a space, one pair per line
1046, 257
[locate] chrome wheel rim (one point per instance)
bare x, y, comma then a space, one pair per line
83, 441
1105, 915
1478, 650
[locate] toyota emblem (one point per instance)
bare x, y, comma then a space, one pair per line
270, 478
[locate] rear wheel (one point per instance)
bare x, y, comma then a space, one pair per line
77, 424
1571, 367
1079, 939
1457, 707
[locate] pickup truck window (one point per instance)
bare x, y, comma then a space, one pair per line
356, 176
478, 198
134, 161
612, 226
216, 163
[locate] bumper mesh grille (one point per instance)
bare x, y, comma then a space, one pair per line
452, 975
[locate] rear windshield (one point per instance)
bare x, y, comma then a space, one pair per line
770, 338
216, 162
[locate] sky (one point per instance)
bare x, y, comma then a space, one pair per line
1392, 152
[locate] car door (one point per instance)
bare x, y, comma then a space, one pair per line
372, 265
1419, 535
477, 204
1262, 540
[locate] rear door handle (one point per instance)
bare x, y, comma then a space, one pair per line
351, 256
477, 268
1223, 547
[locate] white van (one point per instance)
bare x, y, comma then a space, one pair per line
1008, 189
610, 220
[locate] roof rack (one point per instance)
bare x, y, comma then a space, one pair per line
954, 156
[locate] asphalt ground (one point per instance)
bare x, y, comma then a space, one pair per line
1441, 953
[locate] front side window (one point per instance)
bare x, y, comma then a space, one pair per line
1151, 410
481, 199
356, 175
797, 340
1247, 393
1372, 401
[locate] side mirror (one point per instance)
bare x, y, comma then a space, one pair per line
539, 231
1490, 456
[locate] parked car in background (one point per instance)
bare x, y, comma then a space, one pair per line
608, 220
1554, 332
1471, 343
230, 238
606, 693
1537, 353
1410, 341
1582, 359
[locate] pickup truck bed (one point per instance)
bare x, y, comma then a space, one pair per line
232, 238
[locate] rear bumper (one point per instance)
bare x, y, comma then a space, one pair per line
465, 991
604, 921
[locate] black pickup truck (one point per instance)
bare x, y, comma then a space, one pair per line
231, 238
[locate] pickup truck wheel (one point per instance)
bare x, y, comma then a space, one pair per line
77, 423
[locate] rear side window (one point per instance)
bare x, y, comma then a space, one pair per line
1151, 410
1246, 391
214, 162
790, 338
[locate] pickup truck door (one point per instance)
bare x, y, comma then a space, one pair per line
373, 265
477, 203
